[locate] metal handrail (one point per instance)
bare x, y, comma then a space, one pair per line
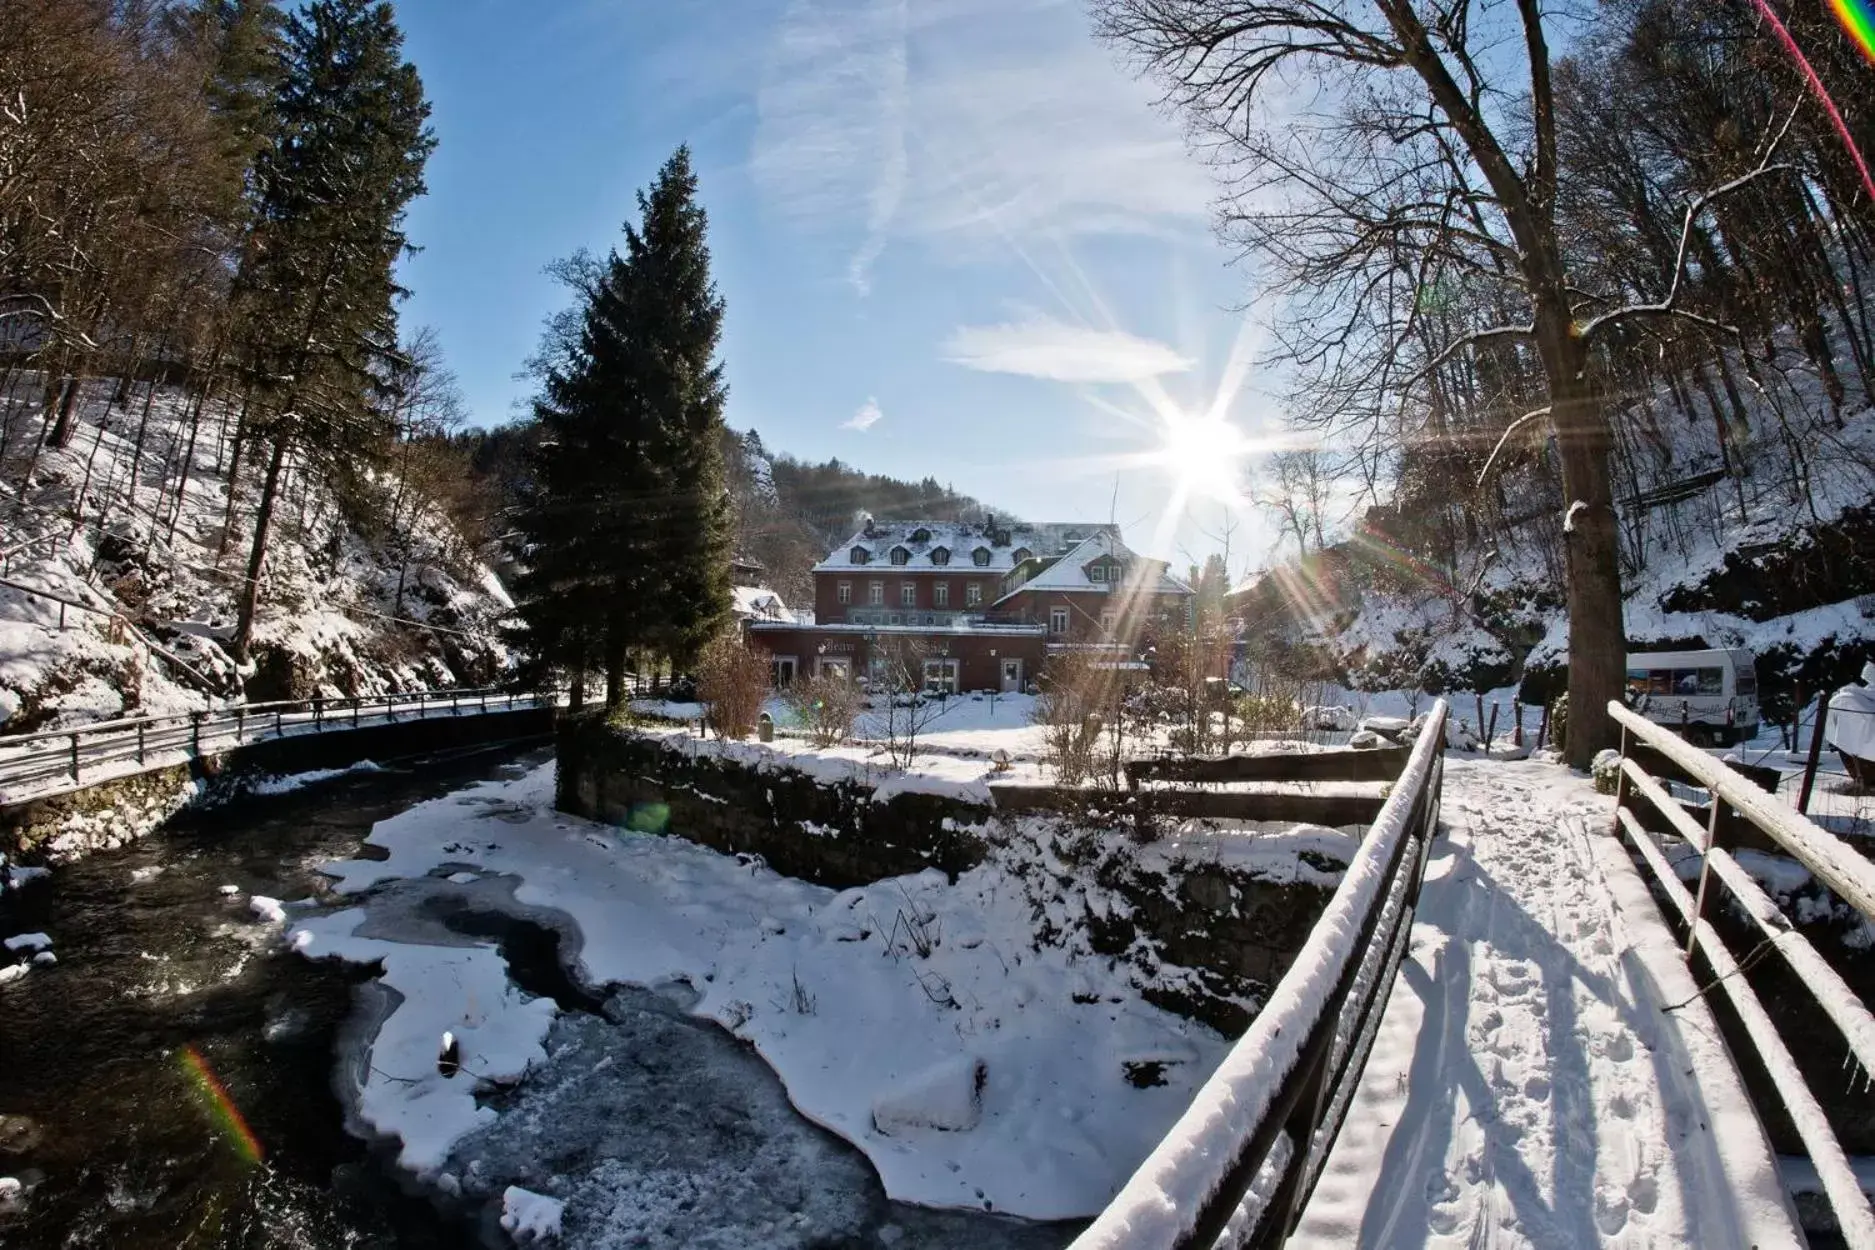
1829, 859
112, 741
1240, 1163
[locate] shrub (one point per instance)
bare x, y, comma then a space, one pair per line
733, 679
826, 706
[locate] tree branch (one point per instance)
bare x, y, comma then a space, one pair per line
1504, 438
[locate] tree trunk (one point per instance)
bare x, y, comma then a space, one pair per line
614, 668
1597, 630
257, 555
61, 435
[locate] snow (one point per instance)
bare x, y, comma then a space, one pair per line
329, 588
13, 972
948, 1098
18, 876
1044, 539
271, 910
289, 782
668, 709
1190, 1164
1527, 1086
1851, 725
28, 943
530, 1217
758, 603
863, 1001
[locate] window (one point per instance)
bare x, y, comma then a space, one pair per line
844, 592
940, 675
973, 594
897, 619
859, 555
941, 595
908, 594
1106, 623
921, 535
1096, 572
940, 555
1020, 554
981, 557
1057, 620
900, 556
875, 594
1746, 682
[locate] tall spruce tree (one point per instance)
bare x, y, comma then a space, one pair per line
629, 524
676, 324
332, 186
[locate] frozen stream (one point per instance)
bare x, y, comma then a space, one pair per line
663, 1129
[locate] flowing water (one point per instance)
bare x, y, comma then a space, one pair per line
169, 1082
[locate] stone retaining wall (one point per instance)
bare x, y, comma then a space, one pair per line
1207, 940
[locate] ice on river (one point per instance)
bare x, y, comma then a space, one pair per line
866, 1002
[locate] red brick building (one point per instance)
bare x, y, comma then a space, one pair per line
973, 607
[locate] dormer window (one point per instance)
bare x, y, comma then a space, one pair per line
900, 556
859, 555
981, 557
940, 555
921, 535
1096, 572
1070, 538
1022, 553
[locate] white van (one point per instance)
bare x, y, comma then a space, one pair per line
1709, 696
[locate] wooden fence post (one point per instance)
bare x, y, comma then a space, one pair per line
74, 757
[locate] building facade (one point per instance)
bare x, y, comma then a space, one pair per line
957, 607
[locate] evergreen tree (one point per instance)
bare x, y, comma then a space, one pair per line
345, 160
629, 523
677, 320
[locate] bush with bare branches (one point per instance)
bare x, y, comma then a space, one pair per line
732, 678
826, 706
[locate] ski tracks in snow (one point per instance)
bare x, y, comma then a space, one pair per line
1523, 1091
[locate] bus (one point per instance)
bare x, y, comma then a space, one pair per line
1708, 696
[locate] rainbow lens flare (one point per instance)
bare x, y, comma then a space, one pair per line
1858, 18
220, 1107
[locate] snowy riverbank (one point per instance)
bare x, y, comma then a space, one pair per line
916, 1018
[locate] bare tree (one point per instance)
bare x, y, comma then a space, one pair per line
901, 683
1428, 155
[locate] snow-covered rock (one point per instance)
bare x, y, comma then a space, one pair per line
529, 1217
28, 943
272, 910
947, 1097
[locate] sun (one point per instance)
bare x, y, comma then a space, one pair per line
1204, 455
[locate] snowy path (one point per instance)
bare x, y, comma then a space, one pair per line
1526, 1087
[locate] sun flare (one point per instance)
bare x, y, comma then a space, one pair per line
1205, 455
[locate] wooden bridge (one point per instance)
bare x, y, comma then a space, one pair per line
1543, 1041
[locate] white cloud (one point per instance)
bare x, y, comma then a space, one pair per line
1042, 347
830, 134
867, 416
961, 124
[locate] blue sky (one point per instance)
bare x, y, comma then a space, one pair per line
955, 238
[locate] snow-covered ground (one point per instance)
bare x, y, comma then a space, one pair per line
85, 531
1528, 1086
916, 1018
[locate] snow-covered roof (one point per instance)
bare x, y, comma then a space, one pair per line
1070, 572
1002, 540
758, 603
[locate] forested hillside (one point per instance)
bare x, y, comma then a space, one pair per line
789, 513
217, 445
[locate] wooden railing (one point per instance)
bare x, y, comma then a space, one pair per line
1240, 1163
56, 760
1645, 813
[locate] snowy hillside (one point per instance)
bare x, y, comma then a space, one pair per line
1762, 536
366, 591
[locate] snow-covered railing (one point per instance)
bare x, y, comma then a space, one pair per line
1829, 859
1238, 1166
51, 761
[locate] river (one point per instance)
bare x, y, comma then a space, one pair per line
169, 1082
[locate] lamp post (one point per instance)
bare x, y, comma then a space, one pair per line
995, 688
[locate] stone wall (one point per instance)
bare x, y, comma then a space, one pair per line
1205, 939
